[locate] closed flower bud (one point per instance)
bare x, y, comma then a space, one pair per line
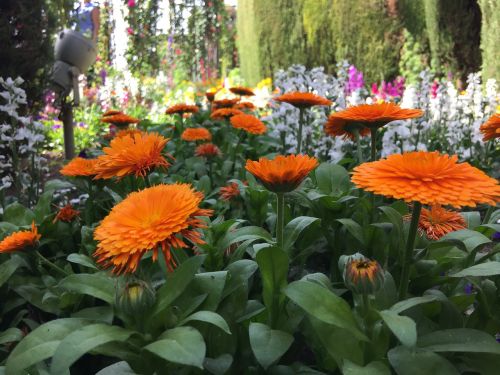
136, 298
362, 275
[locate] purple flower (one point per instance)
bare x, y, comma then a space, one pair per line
56, 126
496, 237
497, 337
82, 125
355, 80
468, 288
103, 75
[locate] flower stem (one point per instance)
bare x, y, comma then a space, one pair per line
280, 220
210, 173
50, 264
91, 202
373, 132
358, 146
407, 256
299, 136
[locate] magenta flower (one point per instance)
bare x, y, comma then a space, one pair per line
130, 31
131, 3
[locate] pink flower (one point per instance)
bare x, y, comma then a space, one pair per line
131, 3
130, 31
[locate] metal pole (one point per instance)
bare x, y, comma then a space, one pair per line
69, 138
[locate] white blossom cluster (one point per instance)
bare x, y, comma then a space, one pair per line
21, 137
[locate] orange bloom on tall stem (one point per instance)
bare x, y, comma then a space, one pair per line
282, 174
207, 150
248, 123
224, 113
111, 112
158, 218
225, 103
437, 222
128, 132
181, 109
345, 129
120, 119
245, 105
302, 99
66, 213
79, 167
20, 240
132, 155
491, 128
429, 178
210, 95
242, 91
196, 134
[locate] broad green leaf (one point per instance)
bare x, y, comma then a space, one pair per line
182, 345
412, 302
354, 229
8, 268
294, 228
119, 368
11, 335
252, 309
472, 219
81, 259
482, 269
404, 328
243, 234
239, 271
373, 368
397, 232
42, 207
219, 365
414, 361
57, 184
323, 305
268, 345
483, 363
19, 215
208, 317
471, 239
332, 178
95, 285
41, 343
83, 340
211, 283
98, 313
459, 340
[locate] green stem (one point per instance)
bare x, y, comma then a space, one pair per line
373, 131
488, 213
50, 264
366, 305
299, 136
91, 202
146, 181
210, 173
358, 146
280, 219
407, 256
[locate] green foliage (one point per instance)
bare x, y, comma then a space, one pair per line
490, 38
248, 42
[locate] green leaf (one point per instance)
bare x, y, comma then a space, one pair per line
404, 328
211, 283
11, 335
8, 268
323, 305
176, 283
208, 317
414, 361
373, 368
332, 179
219, 365
57, 184
482, 269
397, 232
182, 345
102, 314
459, 340
268, 345
294, 228
42, 207
472, 219
119, 368
471, 239
83, 340
412, 302
19, 215
95, 285
354, 229
81, 259
41, 343
243, 234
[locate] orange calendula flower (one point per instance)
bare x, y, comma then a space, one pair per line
128, 133
196, 134
181, 109
79, 167
302, 99
284, 173
491, 128
229, 192
437, 222
345, 129
66, 213
242, 91
224, 113
158, 218
429, 178
132, 155
225, 103
248, 123
20, 240
363, 276
245, 106
210, 95
120, 119
371, 115
207, 150
111, 112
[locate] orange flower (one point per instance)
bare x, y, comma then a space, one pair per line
242, 91
79, 167
211, 95
111, 112
302, 99
20, 240
128, 132
371, 115
363, 276
66, 213
347, 130
223, 113
429, 178
160, 217
207, 150
225, 103
248, 123
437, 222
131, 155
491, 128
120, 119
284, 173
196, 134
229, 192
245, 105
181, 109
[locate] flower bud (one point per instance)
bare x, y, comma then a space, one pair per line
362, 275
135, 298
